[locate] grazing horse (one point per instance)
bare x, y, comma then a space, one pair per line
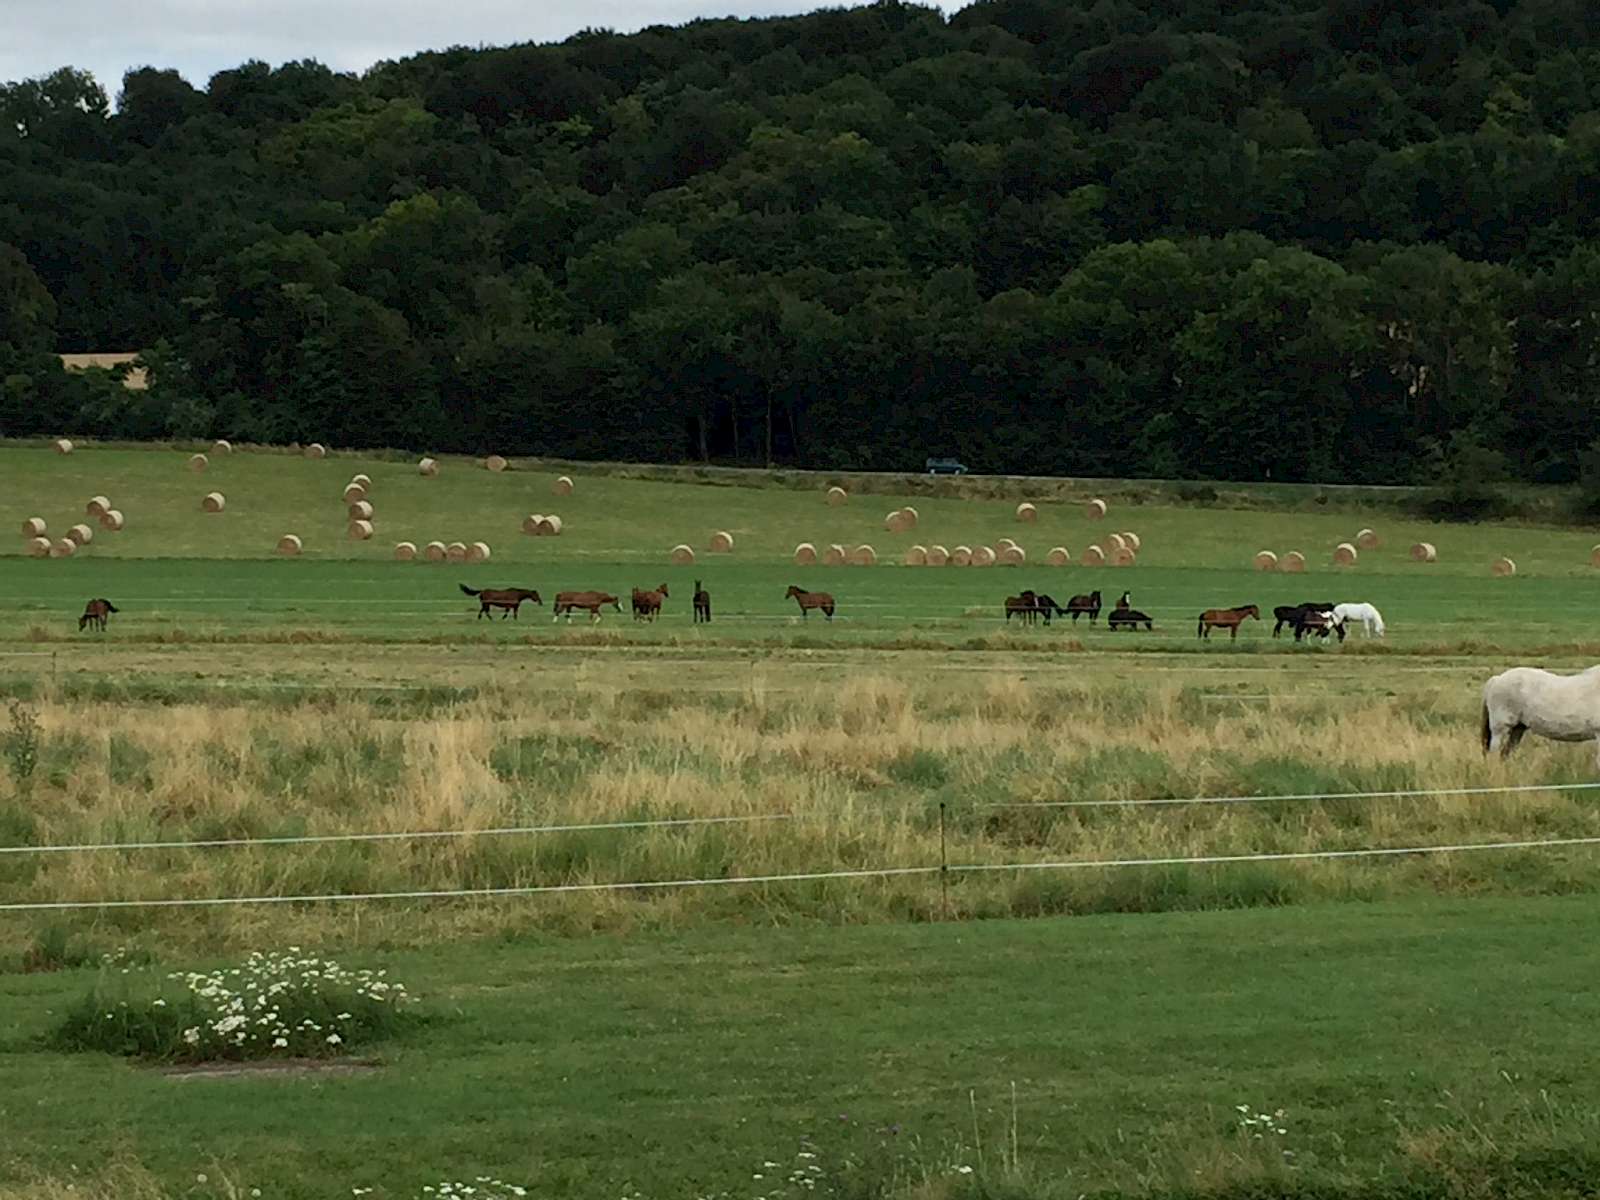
1025, 606
1226, 618
647, 605
702, 603
1371, 619
1563, 708
1290, 614
809, 600
1130, 617
509, 599
1089, 604
94, 613
592, 601
1317, 624
1048, 607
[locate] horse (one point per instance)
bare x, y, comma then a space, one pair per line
1089, 604
809, 600
1025, 606
1318, 624
509, 599
592, 601
1226, 618
702, 603
94, 613
1371, 619
1563, 708
1127, 598
647, 605
1048, 607
1131, 617
1290, 614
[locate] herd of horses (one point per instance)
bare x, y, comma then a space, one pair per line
1036, 606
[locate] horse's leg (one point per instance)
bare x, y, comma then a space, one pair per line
1233, 634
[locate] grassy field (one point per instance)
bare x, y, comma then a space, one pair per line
1414, 1015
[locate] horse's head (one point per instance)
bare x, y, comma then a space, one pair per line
793, 592
663, 589
1253, 611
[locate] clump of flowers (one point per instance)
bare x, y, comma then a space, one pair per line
1259, 1124
277, 1004
481, 1188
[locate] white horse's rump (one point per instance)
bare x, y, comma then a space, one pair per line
1564, 708
1371, 619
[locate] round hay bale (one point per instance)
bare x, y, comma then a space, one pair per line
1133, 541
436, 552
1293, 562
1095, 509
530, 524
805, 555
222, 446
863, 556
213, 502
961, 556
428, 467
1123, 557
897, 521
1266, 560
82, 534
361, 510
111, 520
478, 552
938, 556
722, 542
1344, 555
495, 463
316, 450
360, 530
1059, 556
834, 556
562, 486
1094, 556
1503, 568
198, 462
836, 496
365, 481
62, 446
1113, 543
911, 516
405, 551
96, 506
33, 527
1424, 552
984, 556
1013, 556
39, 547
1594, 554
917, 556
289, 545
65, 548
354, 492
1366, 539
1004, 543
550, 526
682, 555
456, 552
1027, 513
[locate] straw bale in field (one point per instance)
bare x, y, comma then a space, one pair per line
360, 530
456, 552
1503, 567
835, 556
917, 556
1059, 556
478, 552
405, 551
562, 486
863, 556
961, 556
316, 450
62, 446
428, 467
1133, 541
1013, 556
530, 524
1003, 544
33, 527
911, 517
111, 520
65, 548
1594, 556
198, 462
722, 542
682, 555
1266, 560
1123, 556
222, 446
897, 521
805, 554
82, 534
353, 491
1366, 539
1094, 556
361, 510
836, 496
39, 547
289, 545
1344, 554
1027, 513
1095, 509
213, 502
1114, 542
364, 480
984, 556
96, 506
495, 463
436, 552
1293, 562
550, 525
938, 556
1424, 552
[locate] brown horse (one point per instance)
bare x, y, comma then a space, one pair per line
1317, 624
509, 599
1088, 604
1025, 606
702, 603
810, 600
647, 605
1226, 618
592, 602
94, 613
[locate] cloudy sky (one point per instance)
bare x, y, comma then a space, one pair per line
201, 37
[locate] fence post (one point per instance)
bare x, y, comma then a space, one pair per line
944, 867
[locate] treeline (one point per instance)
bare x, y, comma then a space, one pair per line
1345, 241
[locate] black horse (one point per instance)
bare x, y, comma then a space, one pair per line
1089, 604
1047, 607
1130, 617
1292, 614
1318, 624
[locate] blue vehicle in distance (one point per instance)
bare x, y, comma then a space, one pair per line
946, 466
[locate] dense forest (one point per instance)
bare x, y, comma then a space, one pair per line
1346, 240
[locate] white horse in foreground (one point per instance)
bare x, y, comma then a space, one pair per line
1564, 708
1371, 619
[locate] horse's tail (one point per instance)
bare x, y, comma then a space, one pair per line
1200, 629
467, 590
1485, 732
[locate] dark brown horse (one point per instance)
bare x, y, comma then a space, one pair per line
809, 600
647, 605
1317, 624
1048, 607
94, 613
510, 599
1290, 614
1226, 618
702, 603
1088, 605
1130, 617
591, 602
1025, 606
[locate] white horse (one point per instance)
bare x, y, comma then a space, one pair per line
1564, 708
1371, 619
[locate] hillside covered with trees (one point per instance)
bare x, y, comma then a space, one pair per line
1173, 237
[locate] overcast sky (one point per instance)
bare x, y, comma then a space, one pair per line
202, 37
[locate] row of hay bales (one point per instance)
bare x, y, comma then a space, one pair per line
541, 525
291, 545
34, 530
1293, 562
